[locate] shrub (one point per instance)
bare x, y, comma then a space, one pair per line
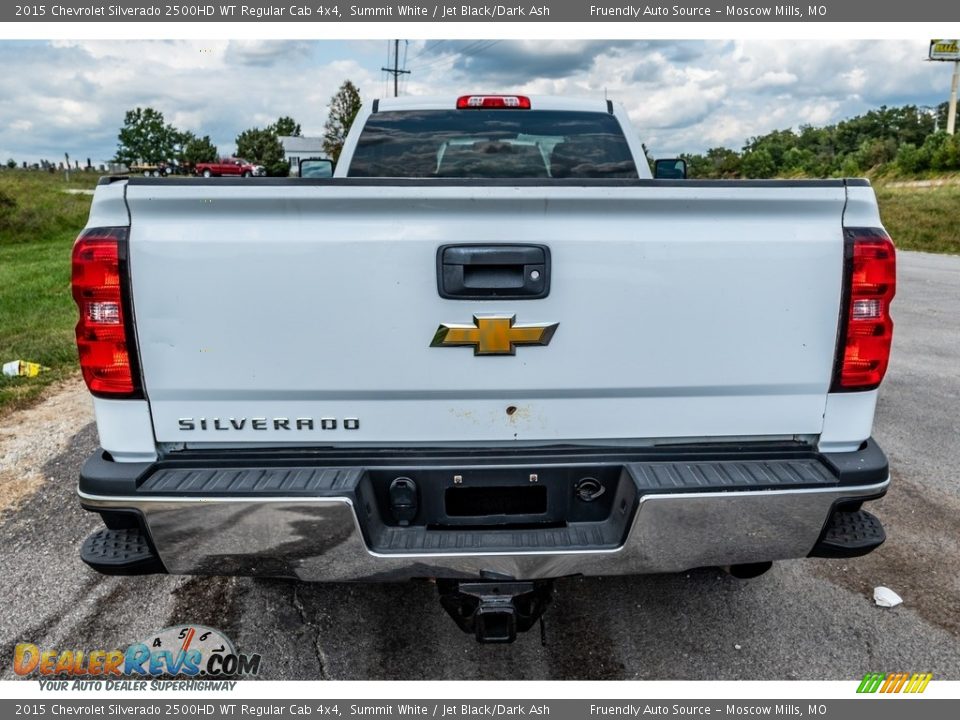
758, 164
8, 207
909, 159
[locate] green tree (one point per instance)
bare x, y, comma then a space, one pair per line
931, 146
758, 164
146, 137
776, 144
696, 165
718, 162
942, 111
849, 167
876, 152
724, 161
11, 164
902, 136
197, 149
796, 161
909, 158
263, 148
944, 151
648, 156
344, 107
285, 127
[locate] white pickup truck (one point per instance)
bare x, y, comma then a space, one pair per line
493, 350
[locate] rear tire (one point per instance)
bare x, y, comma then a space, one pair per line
207, 173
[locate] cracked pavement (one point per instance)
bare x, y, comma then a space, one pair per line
806, 619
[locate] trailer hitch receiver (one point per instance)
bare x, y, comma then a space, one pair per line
495, 611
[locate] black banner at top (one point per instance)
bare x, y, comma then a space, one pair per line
331, 11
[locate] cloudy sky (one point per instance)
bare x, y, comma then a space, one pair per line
70, 96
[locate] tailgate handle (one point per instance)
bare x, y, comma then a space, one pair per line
482, 272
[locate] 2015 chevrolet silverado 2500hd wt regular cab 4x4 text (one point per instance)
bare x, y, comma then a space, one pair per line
491, 350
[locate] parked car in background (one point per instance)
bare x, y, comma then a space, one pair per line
151, 169
230, 166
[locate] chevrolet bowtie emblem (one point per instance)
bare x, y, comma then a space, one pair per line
493, 334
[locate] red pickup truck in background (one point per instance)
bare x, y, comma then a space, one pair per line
229, 166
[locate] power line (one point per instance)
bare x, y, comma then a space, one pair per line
431, 45
395, 70
448, 58
469, 50
386, 78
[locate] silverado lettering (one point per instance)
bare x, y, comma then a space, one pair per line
262, 423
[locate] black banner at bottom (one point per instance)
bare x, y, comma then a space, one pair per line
870, 707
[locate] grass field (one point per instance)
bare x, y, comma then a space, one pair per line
922, 218
39, 222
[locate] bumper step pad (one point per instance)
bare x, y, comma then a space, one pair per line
849, 534
126, 551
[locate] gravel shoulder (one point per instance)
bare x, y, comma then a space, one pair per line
30, 437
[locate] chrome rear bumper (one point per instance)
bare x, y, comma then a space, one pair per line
328, 538
320, 540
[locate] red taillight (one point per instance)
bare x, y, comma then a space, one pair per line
105, 354
489, 102
866, 326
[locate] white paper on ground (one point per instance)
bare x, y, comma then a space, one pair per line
885, 597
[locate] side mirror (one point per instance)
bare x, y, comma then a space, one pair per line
670, 169
316, 168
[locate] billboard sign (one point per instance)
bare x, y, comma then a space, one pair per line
945, 50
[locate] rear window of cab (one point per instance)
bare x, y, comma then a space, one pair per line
491, 144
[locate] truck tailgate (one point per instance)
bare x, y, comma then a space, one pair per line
304, 313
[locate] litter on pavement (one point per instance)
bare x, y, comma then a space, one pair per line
885, 597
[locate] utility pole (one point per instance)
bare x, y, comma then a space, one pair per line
949, 51
952, 110
395, 70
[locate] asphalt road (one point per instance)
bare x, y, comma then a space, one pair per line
807, 619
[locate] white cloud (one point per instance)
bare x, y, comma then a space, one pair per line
172, 54
70, 96
856, 79
778, 79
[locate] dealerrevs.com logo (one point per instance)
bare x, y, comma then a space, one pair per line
191, 651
